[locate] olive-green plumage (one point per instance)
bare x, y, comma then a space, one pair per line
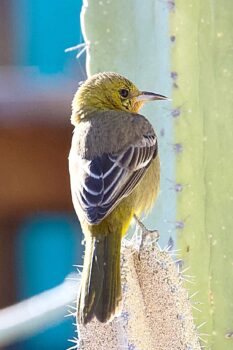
114, 171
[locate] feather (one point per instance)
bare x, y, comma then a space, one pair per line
101, 183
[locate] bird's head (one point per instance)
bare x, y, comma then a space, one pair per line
105, 91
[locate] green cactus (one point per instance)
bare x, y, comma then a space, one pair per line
202, 56
132, 39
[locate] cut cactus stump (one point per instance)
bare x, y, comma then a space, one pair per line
157, 311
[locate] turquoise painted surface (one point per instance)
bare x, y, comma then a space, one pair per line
46, 250
132, 38
43, 30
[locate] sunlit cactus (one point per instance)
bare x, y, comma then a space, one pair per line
133, 39
201, 37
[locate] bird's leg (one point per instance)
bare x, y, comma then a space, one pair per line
147, 236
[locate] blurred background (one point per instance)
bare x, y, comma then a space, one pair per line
181, 49
39, 233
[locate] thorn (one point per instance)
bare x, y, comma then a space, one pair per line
174, 75
79, 271
74, 340
172, 38
76, 47
158, 261
72, 307
186, 269
171, 243
178, 148
74, 347
202, 324
179, 225
70, 314
194, 294
167, 248
174, 254
197, 303
81, 52
176, 186
153, 241
190, 318
175, 250
72, 279
204, 341
186, 280
189, 276
195, 308
145, 232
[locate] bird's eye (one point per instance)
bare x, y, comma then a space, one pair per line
124, 93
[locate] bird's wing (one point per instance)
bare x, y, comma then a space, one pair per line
101, 183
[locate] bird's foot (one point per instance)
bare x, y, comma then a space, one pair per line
147, 237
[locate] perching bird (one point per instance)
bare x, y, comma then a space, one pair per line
114, 173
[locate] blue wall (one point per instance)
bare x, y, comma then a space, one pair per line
47, 247
43, 30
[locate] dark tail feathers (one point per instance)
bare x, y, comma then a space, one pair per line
100, 293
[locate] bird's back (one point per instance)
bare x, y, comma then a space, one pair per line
108, 131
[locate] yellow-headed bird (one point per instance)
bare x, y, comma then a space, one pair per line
114, 173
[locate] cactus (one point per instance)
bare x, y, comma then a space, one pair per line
132, 39
118, 35
157, 310
201, 32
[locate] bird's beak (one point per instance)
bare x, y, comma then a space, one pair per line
145, 96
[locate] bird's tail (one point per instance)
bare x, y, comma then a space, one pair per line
100, 292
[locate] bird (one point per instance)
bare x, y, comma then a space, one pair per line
114, 175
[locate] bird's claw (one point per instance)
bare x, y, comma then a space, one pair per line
147, 237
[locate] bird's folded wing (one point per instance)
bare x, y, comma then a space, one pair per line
100, 184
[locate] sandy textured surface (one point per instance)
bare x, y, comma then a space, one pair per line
156, 310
